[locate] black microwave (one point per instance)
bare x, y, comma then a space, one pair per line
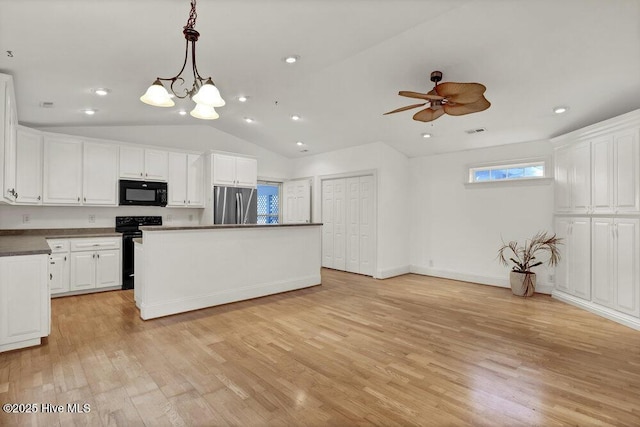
143, 193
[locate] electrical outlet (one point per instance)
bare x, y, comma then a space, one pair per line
92, 219
551, 278
26, 218
169, 218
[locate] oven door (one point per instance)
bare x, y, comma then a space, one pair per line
140, 193
128, 258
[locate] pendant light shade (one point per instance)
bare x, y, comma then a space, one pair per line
209, 95
157, 96
204, 112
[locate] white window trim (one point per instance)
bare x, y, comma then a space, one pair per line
266, 181
546, 179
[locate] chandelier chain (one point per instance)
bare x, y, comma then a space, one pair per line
191, 22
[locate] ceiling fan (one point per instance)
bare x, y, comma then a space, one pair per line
455, 99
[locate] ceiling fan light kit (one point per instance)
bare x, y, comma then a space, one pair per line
455, 99
203, 91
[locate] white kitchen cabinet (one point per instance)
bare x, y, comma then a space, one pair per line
8, 137
144, 164
195, 180
616, 259
233, 171
28, 167
186, 180
59, 261
24, 301
95, 263
62, 181
573, 272
100, 174
573, 178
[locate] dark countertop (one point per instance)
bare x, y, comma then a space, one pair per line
223, 226
34, 241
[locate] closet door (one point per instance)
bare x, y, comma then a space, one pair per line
353, 224
327, 224
339, 224
366, 225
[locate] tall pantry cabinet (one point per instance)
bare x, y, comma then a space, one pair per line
597, 213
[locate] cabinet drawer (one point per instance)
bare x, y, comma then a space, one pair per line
58, 245
94, 244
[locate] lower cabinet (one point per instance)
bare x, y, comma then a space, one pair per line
84, 264
573, 273
24, 301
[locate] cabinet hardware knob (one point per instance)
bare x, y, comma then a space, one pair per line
85, 199
140, 173
50, 276
93, 256
38, 197
98, 255
65, 258
78, 198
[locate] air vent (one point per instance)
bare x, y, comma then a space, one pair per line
46, 104
304, 151
478, 130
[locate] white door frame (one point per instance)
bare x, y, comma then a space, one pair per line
354, 174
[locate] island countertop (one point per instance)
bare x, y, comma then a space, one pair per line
34, 241
222, 226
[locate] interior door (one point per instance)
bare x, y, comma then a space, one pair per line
353, 225
297, 201
327, 224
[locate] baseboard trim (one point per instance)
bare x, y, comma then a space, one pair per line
624, 319
167, 308
501, 282
20, 344
393, 272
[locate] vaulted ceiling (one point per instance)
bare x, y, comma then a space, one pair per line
355, 55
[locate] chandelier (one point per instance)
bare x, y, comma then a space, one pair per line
203, 91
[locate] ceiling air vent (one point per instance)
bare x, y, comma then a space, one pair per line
478, 130
46, 104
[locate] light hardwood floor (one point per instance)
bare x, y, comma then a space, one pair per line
411, 350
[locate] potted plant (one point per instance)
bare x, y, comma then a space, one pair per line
523, 280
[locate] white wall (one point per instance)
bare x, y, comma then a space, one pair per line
193, 137
456, 230
392, 196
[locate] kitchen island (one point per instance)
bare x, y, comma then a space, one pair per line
180, 269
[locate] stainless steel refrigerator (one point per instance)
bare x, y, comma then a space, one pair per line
235, 205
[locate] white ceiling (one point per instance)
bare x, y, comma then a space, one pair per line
355, 56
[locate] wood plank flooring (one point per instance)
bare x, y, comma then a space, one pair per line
411, 350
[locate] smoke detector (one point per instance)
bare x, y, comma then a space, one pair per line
478, 130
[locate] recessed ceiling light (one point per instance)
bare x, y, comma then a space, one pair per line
248, 119
182, 113
102, 91
89, 111
291, 59
560, 109
426, 135
46, 104
299, 143
243, 98
295, 117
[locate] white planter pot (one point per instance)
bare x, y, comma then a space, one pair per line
522, 284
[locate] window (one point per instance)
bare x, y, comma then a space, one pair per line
507, 172
269, 202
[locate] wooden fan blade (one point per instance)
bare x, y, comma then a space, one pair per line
428, 114
462, 109
430, 96
408, 107
461, 93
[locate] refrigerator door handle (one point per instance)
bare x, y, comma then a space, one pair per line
238, 212
248, 206
241, 209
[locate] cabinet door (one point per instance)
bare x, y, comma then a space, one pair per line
562, 230
223, 169
156, 165
83, 270
58, 273
581, 178
10, 124
246, 172
131, 162
195, 179
562, 183
100, 177
108, 268
62, 171
602, 276
627, 258
29, 167
24, 298
580, 262
602, 175
626, 177
177, 187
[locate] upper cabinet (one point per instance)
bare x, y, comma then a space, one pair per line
233, 171
186, 180
62, 170
144, 164
597, 169
28, 167
8, 138
100, 174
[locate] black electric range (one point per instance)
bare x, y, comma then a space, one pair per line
129, 226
